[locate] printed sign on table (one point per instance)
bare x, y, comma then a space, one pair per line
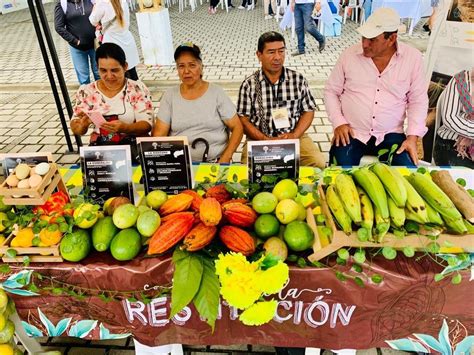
166, 164
10, 161
273, 158
107, 171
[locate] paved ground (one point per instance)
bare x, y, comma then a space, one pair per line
29, 121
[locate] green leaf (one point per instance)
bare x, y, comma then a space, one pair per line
471, 192
301, 262
292, 258
438, 277
412, 227
382, 152
389, 253
35, 241
340, 276
26, 260
409, 252
235, 178
357, 267
461, 182
327, 180
421, 170
5, 269
269, 261
186, 280
452, 261
132, 299
63, 227
340, 261
53, 227
33, 288
343, 254
320, 219
363, 234
456, 280
359, 281
206, 299
376, 278
10, 253
318, 264
57, 291
359, 256
433, 248
36, 229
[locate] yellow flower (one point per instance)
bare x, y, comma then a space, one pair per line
259, 313
232, 263
240, 290
273, 279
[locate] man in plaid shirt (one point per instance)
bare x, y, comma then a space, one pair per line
275, 102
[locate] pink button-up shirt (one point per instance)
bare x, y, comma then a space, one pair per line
374, 103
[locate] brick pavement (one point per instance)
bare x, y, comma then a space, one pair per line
28, 118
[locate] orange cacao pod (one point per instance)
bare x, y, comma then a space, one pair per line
210, 211
175, 215
219, 192
170, 233
235, 200
239, 214
198, 237
178, 203
238, 240
197, 199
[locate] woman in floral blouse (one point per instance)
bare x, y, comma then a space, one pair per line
125, 104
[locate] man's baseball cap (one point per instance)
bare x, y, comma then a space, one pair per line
188, 47
382, 20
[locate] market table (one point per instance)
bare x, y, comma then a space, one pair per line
315, 308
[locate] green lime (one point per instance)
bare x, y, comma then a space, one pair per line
266, 226
264, 202
76, 245
126, 244
298, 236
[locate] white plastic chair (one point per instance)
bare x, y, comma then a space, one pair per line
355, 5
282, 4
226, 3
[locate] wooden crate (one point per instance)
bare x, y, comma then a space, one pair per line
34, 196
461, 243
36, 254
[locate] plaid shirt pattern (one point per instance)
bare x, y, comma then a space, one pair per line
291, 91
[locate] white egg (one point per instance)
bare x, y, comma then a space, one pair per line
42, 169
23, 184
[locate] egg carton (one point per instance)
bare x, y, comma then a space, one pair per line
34, 196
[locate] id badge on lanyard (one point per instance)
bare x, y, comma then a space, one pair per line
280, 114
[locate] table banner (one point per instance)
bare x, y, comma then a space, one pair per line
315, 308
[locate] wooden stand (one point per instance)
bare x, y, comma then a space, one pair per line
461, 243
34, 196
36, 254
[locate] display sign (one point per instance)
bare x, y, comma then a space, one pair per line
273, 158
166, 163
107, 171
10, 161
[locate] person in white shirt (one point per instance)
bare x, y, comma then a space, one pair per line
113, 16
303, 10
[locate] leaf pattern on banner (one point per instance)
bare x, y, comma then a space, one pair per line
31, 330
20, 292
443, 345
52, 330
206, 300
460, 264
82, 328
186, 280
106, 335
18, 280
406, 345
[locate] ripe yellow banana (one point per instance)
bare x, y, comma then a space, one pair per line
433, 216
346, 189
415, 202
382, 225
397, 214
367, 210
374, 188
392, 182
337, 209
434, 196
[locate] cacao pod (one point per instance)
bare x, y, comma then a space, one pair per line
238, 240
198, 237
197, 199
219, 192
235, 200
175, 215
170, 233
239, 214
179, 203
210, 211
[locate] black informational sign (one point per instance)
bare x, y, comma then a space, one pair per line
107, 171
10, 161
166, 164
273, 158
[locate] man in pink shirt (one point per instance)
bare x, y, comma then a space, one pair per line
372, 88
